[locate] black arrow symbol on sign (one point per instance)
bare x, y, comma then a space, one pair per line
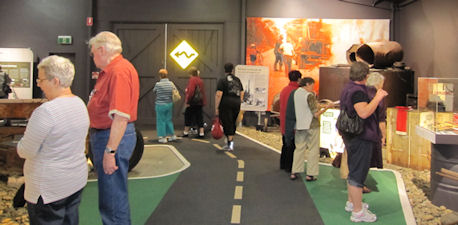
183, 52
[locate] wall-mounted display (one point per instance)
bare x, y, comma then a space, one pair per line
285, 44
17, 63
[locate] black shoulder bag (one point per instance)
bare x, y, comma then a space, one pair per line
349, 125
197, 97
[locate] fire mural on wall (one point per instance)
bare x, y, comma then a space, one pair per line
285, 44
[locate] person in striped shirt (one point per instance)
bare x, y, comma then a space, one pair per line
53, 147
164, 107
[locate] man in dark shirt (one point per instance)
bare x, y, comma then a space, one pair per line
229, 95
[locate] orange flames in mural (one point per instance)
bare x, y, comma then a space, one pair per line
285, 44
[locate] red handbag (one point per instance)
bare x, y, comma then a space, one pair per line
217, 129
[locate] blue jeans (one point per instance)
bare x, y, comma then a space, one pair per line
113, 196
61, 212
164, 124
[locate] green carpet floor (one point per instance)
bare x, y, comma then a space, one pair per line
144, 196
329, 194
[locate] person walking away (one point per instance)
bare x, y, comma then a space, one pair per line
229, 95
195, 101
355, 101
307, 135
164, 107
287, 149
53, 147
112, 111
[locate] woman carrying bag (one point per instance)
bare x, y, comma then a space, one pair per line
164, 107
195, 101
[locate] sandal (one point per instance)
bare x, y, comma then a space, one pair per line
310, 178
366, 189
293, 176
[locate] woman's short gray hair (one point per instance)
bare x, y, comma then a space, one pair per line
358, 71
374, 79
58, 67
107, 39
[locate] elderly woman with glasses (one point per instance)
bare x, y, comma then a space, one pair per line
53, 147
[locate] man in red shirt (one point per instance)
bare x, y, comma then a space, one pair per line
112, 110
287, 149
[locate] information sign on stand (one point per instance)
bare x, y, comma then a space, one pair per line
255, 81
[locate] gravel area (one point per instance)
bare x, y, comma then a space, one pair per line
416, 183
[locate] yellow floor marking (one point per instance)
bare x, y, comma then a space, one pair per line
231, 155
240, 176
217, 146
238, 192
200, 140
236, 213
241, 164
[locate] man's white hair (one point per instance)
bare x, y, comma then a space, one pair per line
58, 67
374, 79
107, 39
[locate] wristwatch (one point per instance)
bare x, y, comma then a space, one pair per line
109, 150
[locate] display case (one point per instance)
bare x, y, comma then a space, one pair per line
438, 106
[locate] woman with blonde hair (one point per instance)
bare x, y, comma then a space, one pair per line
164, 107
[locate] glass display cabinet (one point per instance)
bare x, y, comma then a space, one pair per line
438, 106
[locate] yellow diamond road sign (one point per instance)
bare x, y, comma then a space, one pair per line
184, 54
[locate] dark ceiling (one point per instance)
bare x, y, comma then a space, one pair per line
382, 3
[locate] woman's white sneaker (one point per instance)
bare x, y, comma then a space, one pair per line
162, 140
363, 216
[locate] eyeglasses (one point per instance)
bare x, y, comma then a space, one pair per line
40, 80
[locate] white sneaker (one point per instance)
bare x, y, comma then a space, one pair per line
349, 206
231, 146
162, 140
173, 138
363, 216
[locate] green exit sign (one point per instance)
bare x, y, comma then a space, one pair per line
64, 39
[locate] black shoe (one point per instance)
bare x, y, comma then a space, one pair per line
184, 135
